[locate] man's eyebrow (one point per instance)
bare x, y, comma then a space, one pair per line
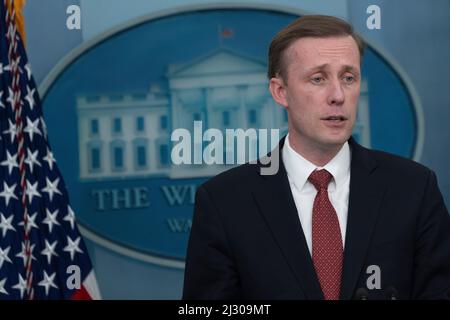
317, 68
345, 68
350, 68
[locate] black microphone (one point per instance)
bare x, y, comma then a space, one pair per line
392, 293
361, 294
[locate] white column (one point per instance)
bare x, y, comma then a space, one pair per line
243, 107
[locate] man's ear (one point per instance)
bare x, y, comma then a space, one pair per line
277, 88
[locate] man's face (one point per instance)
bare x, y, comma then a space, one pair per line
320, 90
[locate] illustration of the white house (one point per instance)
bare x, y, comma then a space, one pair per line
128, 135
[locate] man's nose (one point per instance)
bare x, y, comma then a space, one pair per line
336, 94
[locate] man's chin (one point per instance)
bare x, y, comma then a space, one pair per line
335, 140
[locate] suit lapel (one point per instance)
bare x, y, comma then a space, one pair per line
366, 194
274, 198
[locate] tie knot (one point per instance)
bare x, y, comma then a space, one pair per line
320, 179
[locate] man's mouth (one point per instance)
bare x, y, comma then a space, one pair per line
335, 120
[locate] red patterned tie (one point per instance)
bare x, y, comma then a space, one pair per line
327, 249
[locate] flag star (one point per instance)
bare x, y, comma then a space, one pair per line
30, 97
70, 217
49, 250
21, 285
1, 100
73, 247
8, 192
32, 159
47, 282
50, 219
28, 69
23, 254
12, 130
32, 128
51, 188
31, 191
5, 224
4, 256
30, 222
4, 68
10, 98
11, 162
49, 158
2, 286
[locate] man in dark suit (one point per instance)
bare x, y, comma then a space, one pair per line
336, 221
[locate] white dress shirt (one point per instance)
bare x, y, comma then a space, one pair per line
299, 169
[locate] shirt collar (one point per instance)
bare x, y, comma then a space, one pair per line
299, 169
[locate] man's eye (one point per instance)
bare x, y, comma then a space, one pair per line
349, 79
317, 80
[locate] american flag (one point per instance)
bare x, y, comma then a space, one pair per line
226, 32
42, 254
